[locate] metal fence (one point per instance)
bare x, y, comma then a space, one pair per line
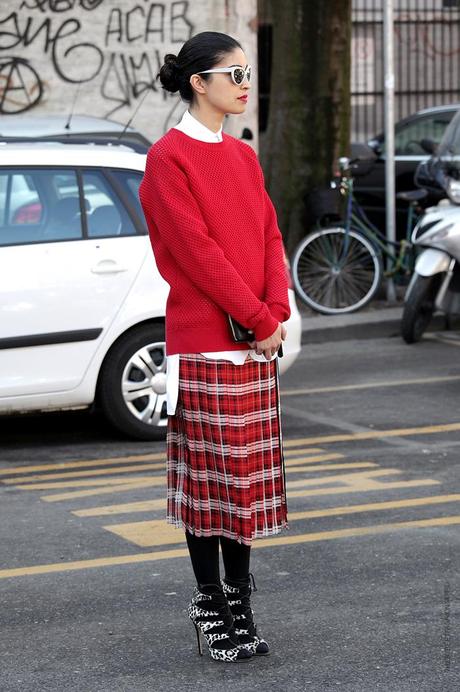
427, 60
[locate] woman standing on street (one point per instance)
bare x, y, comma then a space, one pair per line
216, 242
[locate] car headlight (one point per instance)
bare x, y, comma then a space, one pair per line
453, 190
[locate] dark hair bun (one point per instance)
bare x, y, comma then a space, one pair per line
170, 74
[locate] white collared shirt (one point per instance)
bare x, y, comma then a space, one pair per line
193, 128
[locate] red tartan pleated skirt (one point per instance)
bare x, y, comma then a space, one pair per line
225, 469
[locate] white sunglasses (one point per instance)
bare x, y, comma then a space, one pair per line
237, 73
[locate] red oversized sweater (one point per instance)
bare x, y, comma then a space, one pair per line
216, 241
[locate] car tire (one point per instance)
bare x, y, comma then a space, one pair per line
132, 383
419, 308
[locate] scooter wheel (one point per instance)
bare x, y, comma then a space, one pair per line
419, 308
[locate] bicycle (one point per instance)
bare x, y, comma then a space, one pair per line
338, 269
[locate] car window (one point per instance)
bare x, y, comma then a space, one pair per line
39, 205
450, 143
19, 202
409, 136
106, 215
130, 182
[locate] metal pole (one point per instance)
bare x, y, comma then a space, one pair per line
388, 53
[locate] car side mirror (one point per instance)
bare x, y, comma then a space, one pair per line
362, 152
376, 146
429, 145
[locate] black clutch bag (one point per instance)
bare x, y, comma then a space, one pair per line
240, 333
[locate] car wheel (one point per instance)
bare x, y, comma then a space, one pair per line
132, 383
419, 308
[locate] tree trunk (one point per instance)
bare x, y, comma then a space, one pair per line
309, 112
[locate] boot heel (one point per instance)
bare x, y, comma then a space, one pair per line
198, 638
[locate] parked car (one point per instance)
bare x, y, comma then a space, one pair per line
82, 304
440, 173
80, 129
412, 145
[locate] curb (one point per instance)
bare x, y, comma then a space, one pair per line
361, 331
371, 324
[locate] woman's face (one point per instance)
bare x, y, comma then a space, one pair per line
220, 91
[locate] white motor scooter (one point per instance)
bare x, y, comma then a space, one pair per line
435, 284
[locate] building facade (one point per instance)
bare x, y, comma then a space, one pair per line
427, 59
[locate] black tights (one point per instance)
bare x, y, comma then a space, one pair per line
204, 553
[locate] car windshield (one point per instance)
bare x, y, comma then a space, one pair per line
450, 143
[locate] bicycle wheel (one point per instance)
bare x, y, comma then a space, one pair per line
335, 272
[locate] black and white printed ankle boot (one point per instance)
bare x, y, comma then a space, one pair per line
238, 594
210, 613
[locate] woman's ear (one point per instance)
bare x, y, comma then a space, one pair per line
197, 84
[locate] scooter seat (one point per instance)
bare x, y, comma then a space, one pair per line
412, 195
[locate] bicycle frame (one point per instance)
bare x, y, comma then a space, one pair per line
357, 219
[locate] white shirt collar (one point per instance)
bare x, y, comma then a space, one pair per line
193, 128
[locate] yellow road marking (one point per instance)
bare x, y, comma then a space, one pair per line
360, 488
307, 459
93, 482
145, 467
159, 480
331, 467
88, 564
156, 481
153, 481
160, 504
358, 482
85, 474
125, 508
357, 531
308, 451
260, 543
373, 434
59, 466
147, 534
347, 478
374, 506
81, 464
371, 385
132, 485
156, 532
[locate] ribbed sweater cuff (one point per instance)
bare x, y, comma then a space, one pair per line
265, 327
279, 312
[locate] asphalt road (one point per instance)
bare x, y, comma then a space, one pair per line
360, 594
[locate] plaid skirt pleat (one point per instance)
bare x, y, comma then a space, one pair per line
225, 469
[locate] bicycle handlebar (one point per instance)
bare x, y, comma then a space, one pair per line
346, 164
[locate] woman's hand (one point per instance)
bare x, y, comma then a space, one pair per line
268, 347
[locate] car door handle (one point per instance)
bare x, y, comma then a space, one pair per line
108, 266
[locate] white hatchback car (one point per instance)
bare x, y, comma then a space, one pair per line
82, 304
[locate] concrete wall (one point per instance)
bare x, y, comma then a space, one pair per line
110, 50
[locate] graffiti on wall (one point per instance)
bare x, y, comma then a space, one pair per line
120, 51
20, 85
